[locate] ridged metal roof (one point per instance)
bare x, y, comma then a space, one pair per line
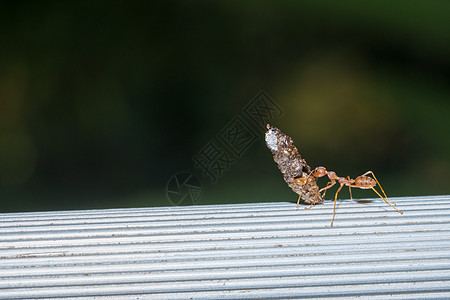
244, 251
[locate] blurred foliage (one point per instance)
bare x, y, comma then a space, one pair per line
101, 102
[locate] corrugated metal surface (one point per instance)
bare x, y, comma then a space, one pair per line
267, 250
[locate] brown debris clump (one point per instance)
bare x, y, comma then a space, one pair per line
294, 168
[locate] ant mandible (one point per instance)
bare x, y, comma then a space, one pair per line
362, 182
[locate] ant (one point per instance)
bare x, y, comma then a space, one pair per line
362, 182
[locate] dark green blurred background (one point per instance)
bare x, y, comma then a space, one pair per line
101, 102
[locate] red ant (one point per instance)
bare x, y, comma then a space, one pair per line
362, 182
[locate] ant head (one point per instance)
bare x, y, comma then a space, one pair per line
319, 172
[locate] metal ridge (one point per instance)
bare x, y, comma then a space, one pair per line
245, 251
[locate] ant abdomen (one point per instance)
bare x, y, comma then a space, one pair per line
365, 182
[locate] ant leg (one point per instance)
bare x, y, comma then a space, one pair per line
312, 203
302, 182
325, 191
387, 201
349, 188
335, 200
329, 185
299, 197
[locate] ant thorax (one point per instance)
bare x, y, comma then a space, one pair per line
294, 168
